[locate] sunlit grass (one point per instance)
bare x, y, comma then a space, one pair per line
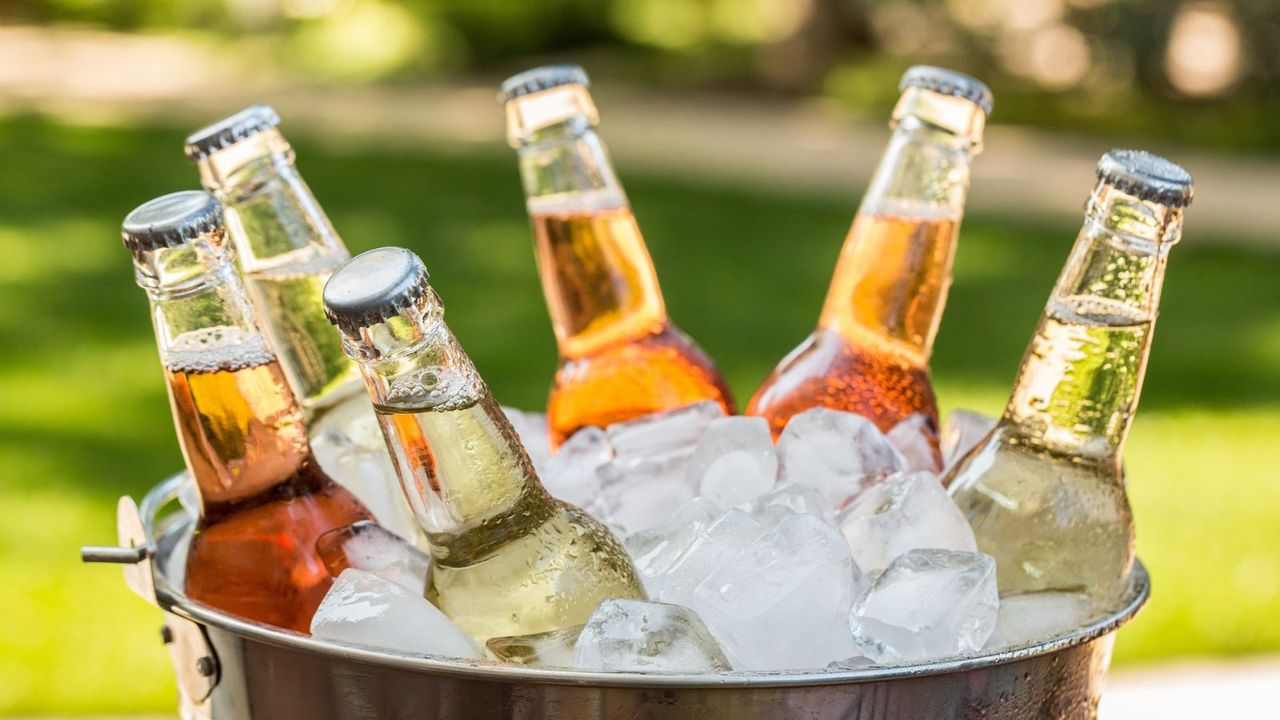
83, 416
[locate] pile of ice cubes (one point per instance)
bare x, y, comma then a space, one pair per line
835, 548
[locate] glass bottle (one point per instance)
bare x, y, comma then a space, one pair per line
263, 497
285, 245
507, 558
287, 248
1045, 490
620, 355
870, 352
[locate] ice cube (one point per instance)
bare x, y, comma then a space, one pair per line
728, 536
369, 474
654, 550
552, 649
531, 427
962, 430
640, 502
734, 461
364, 609
646, 479
927, 605
369, 547
905, 512
571, 473
787, 499
1035, 617
783, 603
661, 433
836, 453
917, 439
635, 636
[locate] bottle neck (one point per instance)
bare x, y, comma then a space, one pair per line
239, 425
459, 459
1080, 379
891, 281
287, 249
271, 214
597, 276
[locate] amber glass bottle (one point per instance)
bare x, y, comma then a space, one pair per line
263, 498
870, 353
620, 355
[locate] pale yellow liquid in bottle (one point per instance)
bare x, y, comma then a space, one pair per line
508, 559
289, 302
1045, 492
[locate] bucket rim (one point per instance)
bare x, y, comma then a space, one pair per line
165, 533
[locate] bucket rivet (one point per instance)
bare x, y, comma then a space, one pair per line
204, 666
166, 635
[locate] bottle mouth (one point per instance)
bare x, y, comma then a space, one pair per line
957, 115
531, 112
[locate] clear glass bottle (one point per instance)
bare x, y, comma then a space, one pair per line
263, 497
287, 248
620, 354
870, 353
1045, 490
285, 244
507, 558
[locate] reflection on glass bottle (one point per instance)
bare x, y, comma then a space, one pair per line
263, 497
621, 356
870, 353
507, 558
1045, 491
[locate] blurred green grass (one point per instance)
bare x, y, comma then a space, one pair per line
83, 416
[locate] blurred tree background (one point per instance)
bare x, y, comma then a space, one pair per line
1204, 72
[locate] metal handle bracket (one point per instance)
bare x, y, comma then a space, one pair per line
112, 554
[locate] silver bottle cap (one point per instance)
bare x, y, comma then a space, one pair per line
948, 82
171, 220
1147, 177
542, 78
230, 130
374, 286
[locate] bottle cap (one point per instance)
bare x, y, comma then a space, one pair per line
1147, 177
542, 78
230, 130
171, 220
948, 82
374, 286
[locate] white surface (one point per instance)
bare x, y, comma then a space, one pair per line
1235, 690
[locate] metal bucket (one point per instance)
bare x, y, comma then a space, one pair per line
229, 668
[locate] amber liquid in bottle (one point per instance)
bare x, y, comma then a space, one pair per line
869, 353
620, 355
265, 499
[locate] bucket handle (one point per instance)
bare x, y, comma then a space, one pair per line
194, 661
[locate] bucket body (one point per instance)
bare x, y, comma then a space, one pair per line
232, 669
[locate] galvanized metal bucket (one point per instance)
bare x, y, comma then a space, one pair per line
228, 669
